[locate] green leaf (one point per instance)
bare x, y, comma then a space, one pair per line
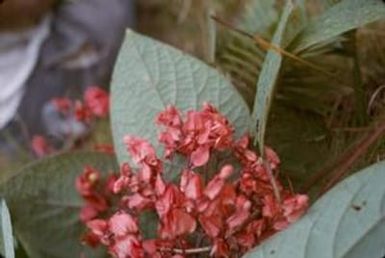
6, 240
258, 16
341, 17
150, 75
45, 205
347, 222
268, 78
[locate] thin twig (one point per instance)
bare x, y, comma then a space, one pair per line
373, 98
206, 249
272, 181
198, 250
267, 46
341, 166
350, 129
360, 150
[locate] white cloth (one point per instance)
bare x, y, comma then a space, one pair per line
19, 53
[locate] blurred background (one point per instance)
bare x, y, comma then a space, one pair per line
51, 49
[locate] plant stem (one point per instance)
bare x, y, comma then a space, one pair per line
360, 150
198, 250
266, 45
272, 181
206, 249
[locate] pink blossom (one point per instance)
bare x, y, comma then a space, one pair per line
88, 213
295, 206
191, 185
177, 223
40, 146
200, 156
216, 184
82, 112
86, 182
128, 246
137, 201
272, 157
97, 101
170, 117
122, 224
212, 225
140, 150
241, 213
98, 227
62, 104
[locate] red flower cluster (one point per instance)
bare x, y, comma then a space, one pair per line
97, 194
202, 132
220, 214
95, 104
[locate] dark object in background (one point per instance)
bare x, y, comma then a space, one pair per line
80, 51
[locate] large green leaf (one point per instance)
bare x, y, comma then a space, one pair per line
44, 204
6, 239
341, 17
150, 75
268, 78
347, 222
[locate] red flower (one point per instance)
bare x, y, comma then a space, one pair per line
212, 225
272, 157
140, 150
191, 185
99, 228
97, 101
241, 213
82, 112
86, 182
128, 246
40, 146
110, 184
91, 239
88, 213
200, 156
220, 248
201, 132
294, 207
63, 105
121, 224
216, 184
170, 117
138, 202
177, 223
271, 207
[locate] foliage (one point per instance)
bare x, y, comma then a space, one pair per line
150, 75
6, 239
44, 204
268, 78
312, 76
348, 221
319, 90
